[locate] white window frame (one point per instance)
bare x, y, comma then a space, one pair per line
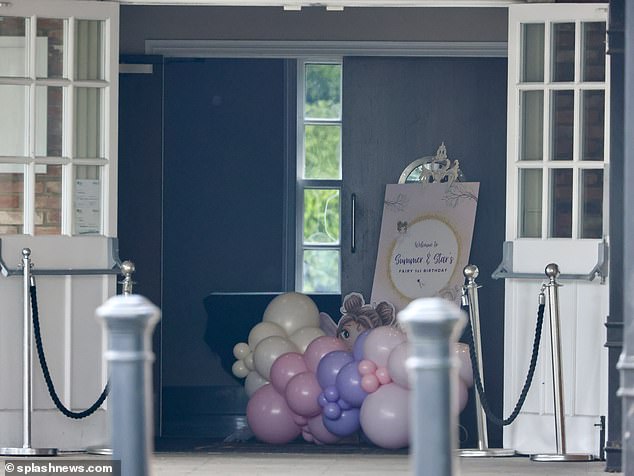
548, 15
82, 10
305, 184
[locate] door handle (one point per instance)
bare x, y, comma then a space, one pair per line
353, 223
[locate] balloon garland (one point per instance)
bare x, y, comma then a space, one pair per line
302, 382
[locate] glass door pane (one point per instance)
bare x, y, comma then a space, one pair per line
322, 145
563, 52
532, 128
88, 123
13, 51
593, 125
49, 113
50, 47
561, 203
591, 213
321, 216
562, 124
11, 199
530, 212
87, 200
14, 101
532, 52
89, 60
321, 271
48, 200
593, 54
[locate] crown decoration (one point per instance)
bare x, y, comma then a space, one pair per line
440, 168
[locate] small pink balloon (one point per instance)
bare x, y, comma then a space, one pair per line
270, 418
380, 343
302, 392
285, 367
300, 420
383, 376
320, 432
369, 383
320, 347
367, 367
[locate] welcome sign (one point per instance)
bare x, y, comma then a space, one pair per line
425, 240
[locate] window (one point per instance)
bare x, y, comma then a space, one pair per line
55, 159
319, 177
559, 147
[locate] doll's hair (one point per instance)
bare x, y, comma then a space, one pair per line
354, 309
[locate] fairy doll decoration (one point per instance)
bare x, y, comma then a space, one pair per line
357, 317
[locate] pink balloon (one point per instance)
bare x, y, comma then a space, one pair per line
320, 347
306, 434
396, 365
270, 418
319, 431
284, 368
369, 383
383, 376
380, 343
385, 416
367, 367
302, 392
465, 370
300, 420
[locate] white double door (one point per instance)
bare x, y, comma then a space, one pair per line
58, 147
558, 149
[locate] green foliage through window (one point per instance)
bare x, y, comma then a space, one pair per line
323, 91
321, 216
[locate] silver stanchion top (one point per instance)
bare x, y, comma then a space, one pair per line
127, 268
552, 270
26, 252
471, 271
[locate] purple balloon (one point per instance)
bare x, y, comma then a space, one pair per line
331, 393
348, 383
343, 404
330, 365
332, 411
357, 348
347, 424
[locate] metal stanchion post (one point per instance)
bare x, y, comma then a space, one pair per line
433, 325
552, 271
471, 272
27, 378
129, 321
127, 269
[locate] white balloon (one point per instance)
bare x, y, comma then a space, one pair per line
305, 336
248, 361
241, 350
253, 382
239, 369
396, 365
292, 311
268, 350
465, 370
461, 397
385, 416
263, 330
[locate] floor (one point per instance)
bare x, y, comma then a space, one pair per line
264, 460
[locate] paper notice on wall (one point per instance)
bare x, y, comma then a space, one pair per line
425, 241
87, 206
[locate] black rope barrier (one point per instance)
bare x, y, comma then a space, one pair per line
47, 376
527, 383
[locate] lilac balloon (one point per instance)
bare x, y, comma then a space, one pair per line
343, 404
380, 343
285, 367
345, 425
270, 418
332, 411
357, 348
331, 393
320, 347
319, 432
330, 365
348, 383
302, 394
385, 416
